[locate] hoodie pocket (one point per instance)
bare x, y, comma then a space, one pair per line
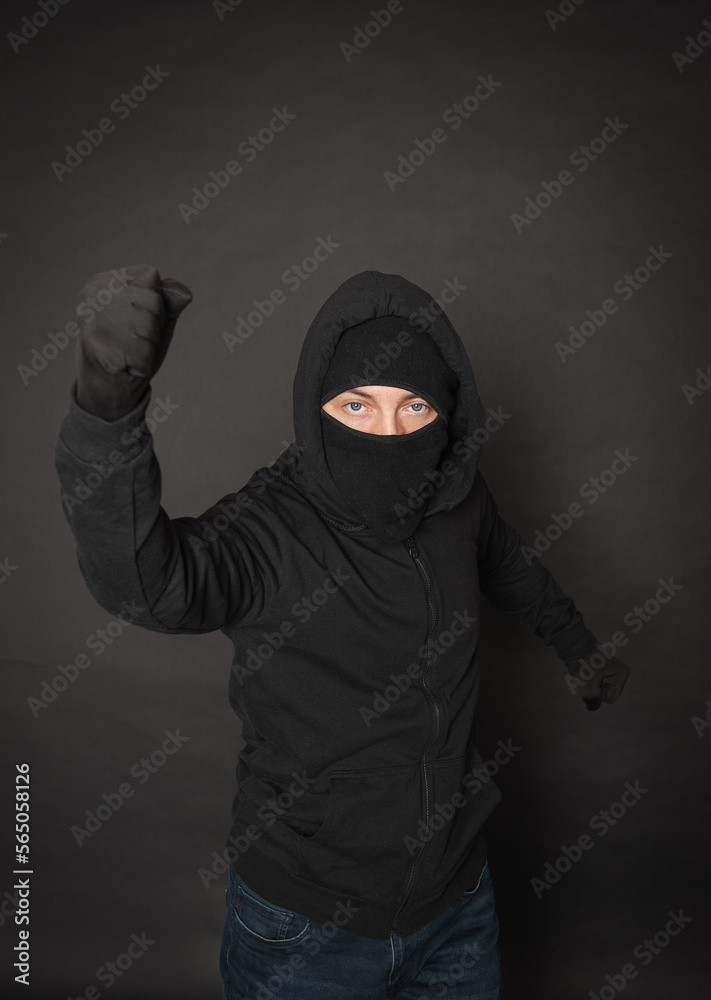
484, 876
464, 795
361, 846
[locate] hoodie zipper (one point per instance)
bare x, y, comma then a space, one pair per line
432, 615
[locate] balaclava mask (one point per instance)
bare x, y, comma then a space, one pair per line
382, 477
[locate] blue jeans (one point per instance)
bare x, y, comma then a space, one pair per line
269, 953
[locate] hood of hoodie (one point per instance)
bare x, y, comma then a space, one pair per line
364, 296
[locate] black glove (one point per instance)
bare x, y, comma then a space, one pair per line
122, 342
601, 680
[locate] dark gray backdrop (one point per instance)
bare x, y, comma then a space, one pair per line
553, 81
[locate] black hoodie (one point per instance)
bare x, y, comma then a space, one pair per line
356, 668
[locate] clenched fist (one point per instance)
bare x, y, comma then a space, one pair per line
600, 678
124, 338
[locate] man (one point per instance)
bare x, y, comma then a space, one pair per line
347, 576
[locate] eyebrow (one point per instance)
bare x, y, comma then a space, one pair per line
367, 395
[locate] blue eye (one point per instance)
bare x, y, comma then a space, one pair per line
354, 403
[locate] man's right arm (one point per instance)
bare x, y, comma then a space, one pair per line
182, 574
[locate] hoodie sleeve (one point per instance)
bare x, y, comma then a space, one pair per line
183, 575
515, 582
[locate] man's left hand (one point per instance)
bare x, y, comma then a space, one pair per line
600, 680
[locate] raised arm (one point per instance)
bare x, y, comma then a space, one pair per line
181, 575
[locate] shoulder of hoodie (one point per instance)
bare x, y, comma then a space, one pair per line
257, 505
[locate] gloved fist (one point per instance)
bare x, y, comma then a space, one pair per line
126, 322
599, 678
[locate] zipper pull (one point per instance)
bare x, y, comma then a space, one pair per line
412, 548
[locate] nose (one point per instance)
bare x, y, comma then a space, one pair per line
391, 423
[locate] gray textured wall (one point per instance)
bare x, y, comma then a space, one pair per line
456, 218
